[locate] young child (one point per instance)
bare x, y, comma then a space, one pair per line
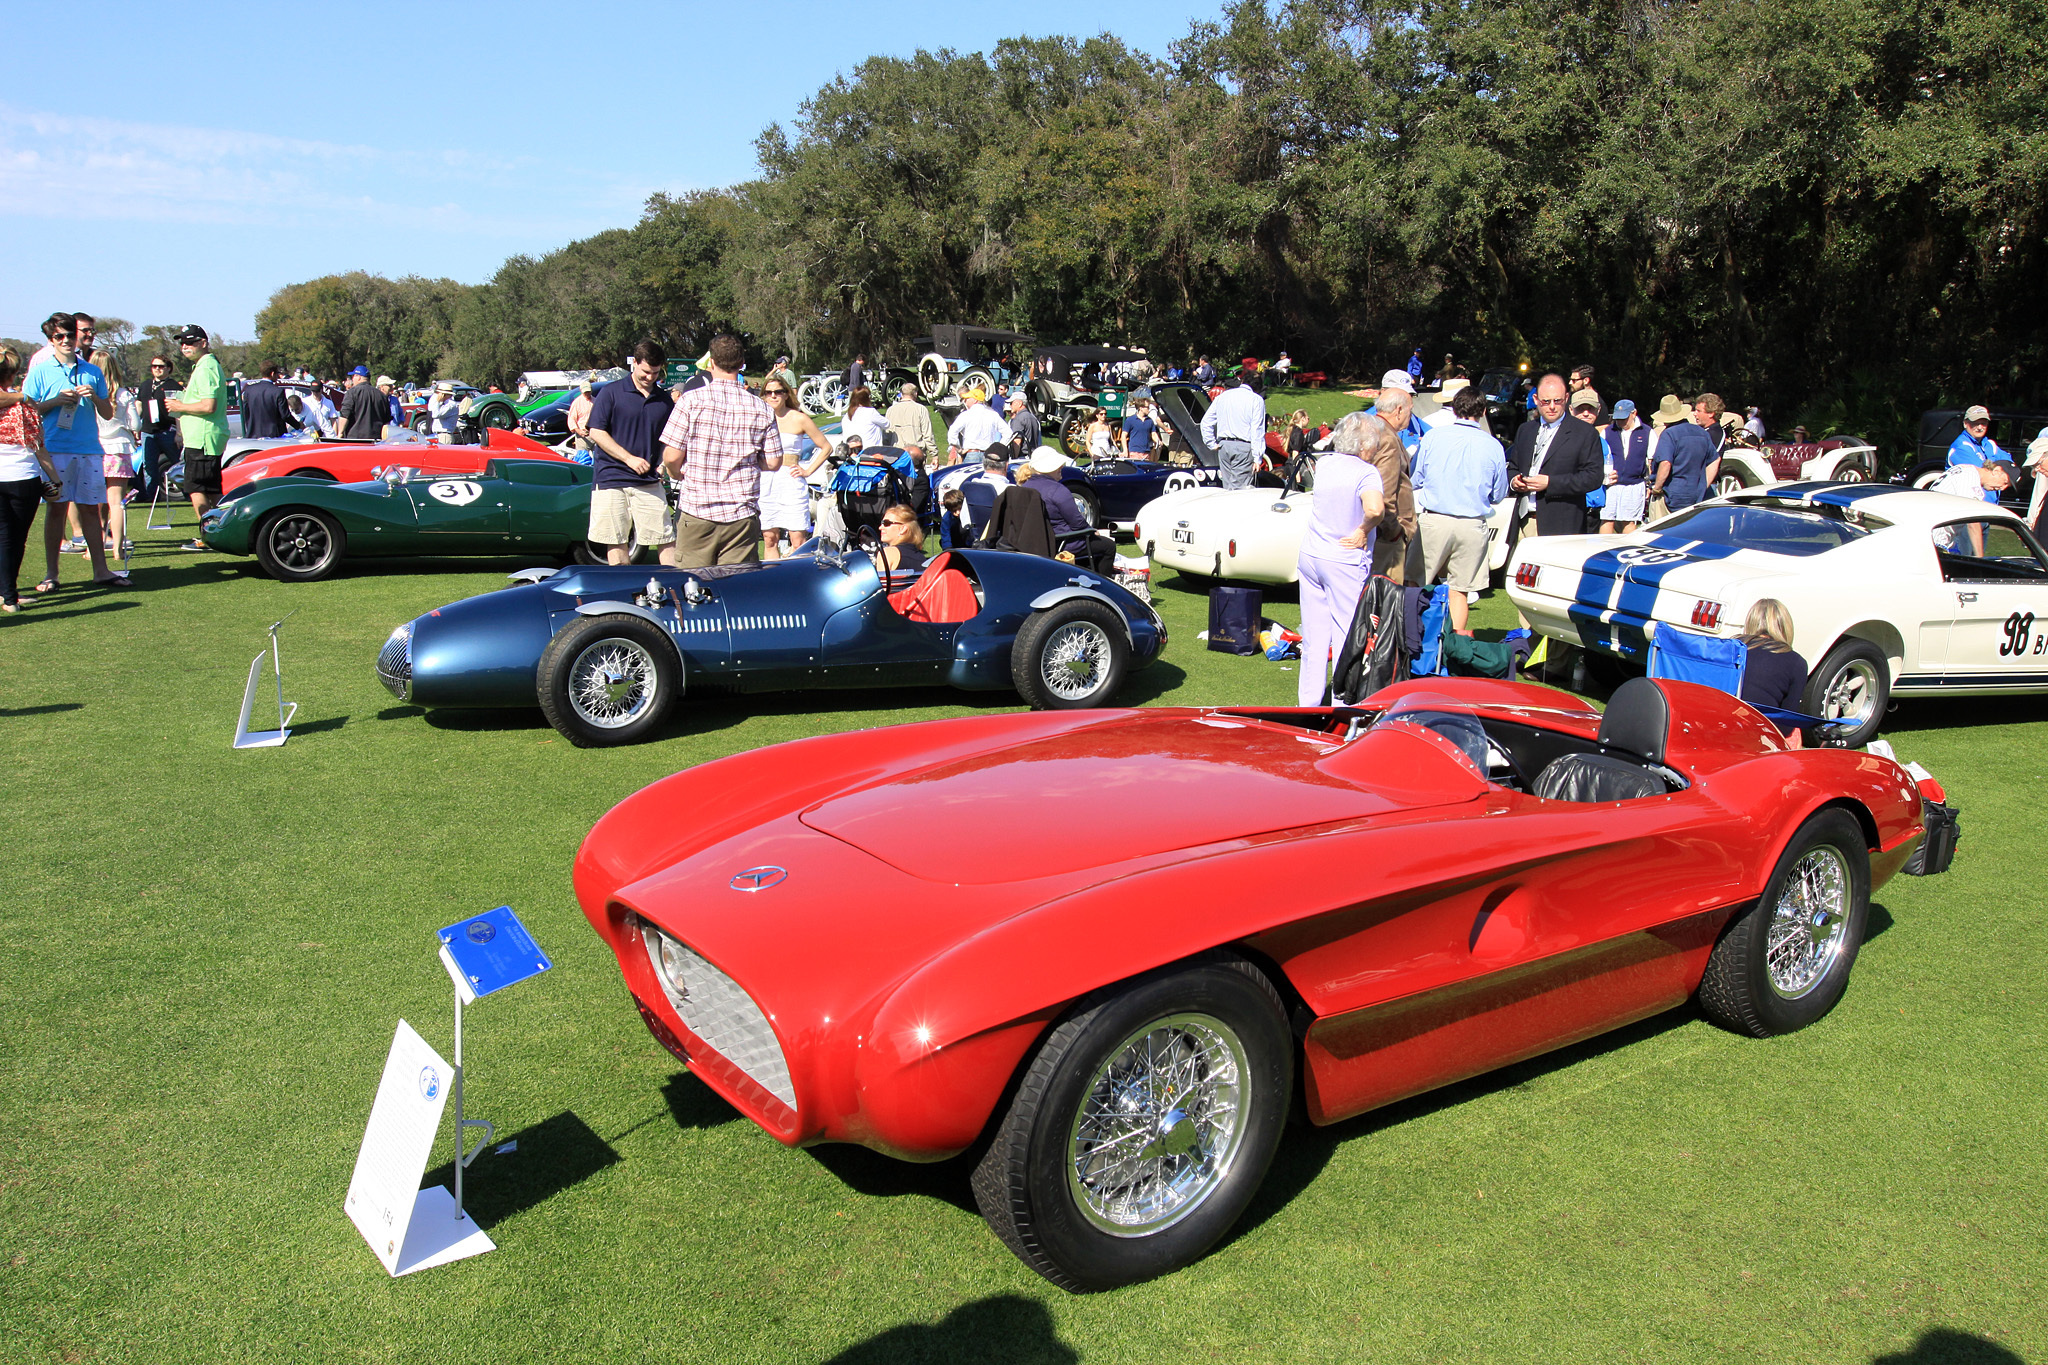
953, 530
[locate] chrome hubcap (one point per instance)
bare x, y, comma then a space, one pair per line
1160, 1125
1851, 694
612, 683
1076, 660
1809, 924
299, 542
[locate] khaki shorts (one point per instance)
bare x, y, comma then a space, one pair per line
621, 515
701, 543
1454, 549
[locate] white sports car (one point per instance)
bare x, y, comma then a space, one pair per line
1254, 534
1892, 591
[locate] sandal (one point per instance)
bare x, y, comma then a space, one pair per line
46, 586
115, 580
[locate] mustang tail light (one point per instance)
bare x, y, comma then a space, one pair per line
1137, 533
714, 1008
1706, 615
1526, 575
1233, 549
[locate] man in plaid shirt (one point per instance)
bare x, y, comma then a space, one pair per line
717, 444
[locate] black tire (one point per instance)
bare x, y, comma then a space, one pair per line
1070, 656
419, 423
1825, 870
1090, 506
498, 415
590, 552
646, 674
300, 545
1222, 1012
1852, 683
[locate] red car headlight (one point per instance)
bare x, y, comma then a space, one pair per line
714, 1007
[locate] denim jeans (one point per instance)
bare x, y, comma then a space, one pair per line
159, 452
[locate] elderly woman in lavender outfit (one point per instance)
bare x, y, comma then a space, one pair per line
1336, 545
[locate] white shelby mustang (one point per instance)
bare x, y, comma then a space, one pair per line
1892, 591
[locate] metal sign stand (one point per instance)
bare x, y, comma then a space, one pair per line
245, 738
149, 522
462, 1125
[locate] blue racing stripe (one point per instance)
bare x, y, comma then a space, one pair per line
1836, 494
1617, 593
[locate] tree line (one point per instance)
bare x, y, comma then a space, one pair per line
1832, 208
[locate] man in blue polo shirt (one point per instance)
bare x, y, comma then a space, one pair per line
68, 391
1975, 446
626, 499
1139, 430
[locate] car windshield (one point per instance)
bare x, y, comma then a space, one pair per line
1780, 530
1453, 720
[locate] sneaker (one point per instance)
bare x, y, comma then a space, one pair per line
74, 546
193, 545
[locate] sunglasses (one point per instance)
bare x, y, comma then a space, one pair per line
159, 367
772, 392
1549, 402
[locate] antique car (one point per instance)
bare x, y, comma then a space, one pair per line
1065, 404
416, 415
1893, 592
958, 358
1111, 492
1835, 459
344, 461
502, 411
606, 652
1293, 911
301, 529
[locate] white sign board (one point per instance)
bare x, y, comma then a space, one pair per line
407, 1227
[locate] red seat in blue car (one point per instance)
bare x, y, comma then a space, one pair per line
942, 594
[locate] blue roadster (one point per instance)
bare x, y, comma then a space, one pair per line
606, 651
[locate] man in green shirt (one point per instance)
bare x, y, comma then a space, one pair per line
202, 422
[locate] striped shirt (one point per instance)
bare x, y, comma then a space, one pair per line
725, 438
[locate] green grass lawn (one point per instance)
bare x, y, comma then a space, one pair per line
204, 954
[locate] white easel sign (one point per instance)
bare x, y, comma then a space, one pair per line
407, 1227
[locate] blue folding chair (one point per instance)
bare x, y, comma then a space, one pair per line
1712, 661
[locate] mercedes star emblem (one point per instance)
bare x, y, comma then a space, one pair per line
759, 878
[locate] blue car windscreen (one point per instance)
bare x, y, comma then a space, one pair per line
1775, 530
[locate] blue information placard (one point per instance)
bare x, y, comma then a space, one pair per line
493, 950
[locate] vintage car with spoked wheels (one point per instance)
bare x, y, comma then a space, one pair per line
1064, 405
302, 529
1893, 592
960, 358
1317, 911
606, 653
1834, 459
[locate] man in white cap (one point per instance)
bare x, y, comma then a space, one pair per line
388, 386
1396, 407
977, 427
1235, 428
1975, 446
1071, 531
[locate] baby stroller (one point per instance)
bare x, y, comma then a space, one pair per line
866, 488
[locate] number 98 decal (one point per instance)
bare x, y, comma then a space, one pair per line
1643, 554
2021, 638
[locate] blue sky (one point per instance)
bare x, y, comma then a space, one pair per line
186, 161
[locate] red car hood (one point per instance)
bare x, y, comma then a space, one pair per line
1109, 794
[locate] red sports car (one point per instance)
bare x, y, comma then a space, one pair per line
851, 940
355, 461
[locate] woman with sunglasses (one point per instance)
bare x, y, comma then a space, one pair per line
159, 428
902, 554
785, 496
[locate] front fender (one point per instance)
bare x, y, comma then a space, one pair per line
1069, 594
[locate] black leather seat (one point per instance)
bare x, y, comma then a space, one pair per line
1596, 777
1635, 726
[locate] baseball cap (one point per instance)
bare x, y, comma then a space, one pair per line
193, 332
1397, 379
998, 455
1046, 460
1977, 413
361, 370
386, 379
1585, 398
1624, 408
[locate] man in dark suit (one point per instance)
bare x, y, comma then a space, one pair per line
263, 411
1556, 460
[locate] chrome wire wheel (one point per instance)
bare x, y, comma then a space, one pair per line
1075, 660
613, 683
300, 542
1852, 693
1808, 924
1160, 1125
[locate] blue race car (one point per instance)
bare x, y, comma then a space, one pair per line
606, 651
